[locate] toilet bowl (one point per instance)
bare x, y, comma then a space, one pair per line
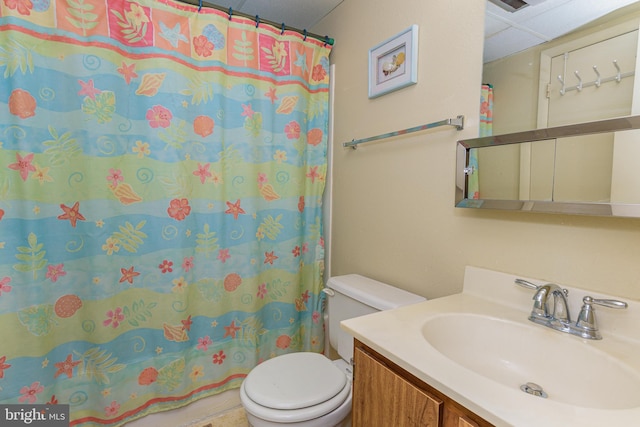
307, 389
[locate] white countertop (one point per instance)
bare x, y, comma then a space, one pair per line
397, 335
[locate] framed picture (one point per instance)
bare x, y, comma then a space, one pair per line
393, 64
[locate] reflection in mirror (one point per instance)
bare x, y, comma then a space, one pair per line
583, 167
537, 184
585, 75
502, 178
587, 168
554, 82
571, 169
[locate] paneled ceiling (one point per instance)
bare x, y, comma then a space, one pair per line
543, 20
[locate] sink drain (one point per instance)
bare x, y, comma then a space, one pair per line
534, 389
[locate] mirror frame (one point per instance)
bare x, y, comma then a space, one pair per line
576, 208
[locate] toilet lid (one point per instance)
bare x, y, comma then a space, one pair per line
335, 408
294, 381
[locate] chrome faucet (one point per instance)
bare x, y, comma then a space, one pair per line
550, 306
555, 314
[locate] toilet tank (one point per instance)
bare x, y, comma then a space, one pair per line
353, 295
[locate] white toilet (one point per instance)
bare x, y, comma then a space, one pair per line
307, 389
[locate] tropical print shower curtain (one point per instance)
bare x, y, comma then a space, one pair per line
486, 129
161, 174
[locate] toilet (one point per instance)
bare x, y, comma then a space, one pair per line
307, 389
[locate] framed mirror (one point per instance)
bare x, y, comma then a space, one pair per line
556, 179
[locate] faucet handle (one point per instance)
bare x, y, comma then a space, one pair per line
541, 306
586, 322
526, 284
611, 303
549, 286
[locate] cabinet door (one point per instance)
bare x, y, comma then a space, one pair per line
381, 398
464, 422
455, 418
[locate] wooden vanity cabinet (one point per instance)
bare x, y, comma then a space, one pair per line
386, 395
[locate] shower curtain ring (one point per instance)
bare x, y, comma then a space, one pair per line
230, 13
257, 21
326, 41
282, 32
200, 6
304, 32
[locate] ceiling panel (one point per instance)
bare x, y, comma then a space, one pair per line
507, 33
509, 41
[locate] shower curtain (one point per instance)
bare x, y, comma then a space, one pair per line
161, 174
486, 129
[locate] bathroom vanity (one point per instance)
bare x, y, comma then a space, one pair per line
475, 359
384, 394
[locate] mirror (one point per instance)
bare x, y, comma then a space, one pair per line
586, 76
526, 89
602, 181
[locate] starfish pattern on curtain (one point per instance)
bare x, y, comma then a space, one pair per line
161, 180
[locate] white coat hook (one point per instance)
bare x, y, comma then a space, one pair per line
562, 91
579, 87
598, 81
618, 76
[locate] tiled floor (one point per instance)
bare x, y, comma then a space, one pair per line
232, 418
220, 410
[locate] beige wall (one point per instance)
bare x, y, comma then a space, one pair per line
393, 205
515, 85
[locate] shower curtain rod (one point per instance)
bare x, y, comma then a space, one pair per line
231, 12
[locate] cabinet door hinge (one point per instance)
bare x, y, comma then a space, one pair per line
548, 90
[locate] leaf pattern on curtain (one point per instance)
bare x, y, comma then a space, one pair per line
486, 129
161, 179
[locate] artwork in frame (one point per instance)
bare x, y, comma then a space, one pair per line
393, 64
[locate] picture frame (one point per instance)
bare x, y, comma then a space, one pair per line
393, 64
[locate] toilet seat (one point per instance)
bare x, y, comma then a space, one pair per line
294, 387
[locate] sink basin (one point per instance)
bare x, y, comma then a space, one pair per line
570, 370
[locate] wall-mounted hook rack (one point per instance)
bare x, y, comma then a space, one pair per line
597, 82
